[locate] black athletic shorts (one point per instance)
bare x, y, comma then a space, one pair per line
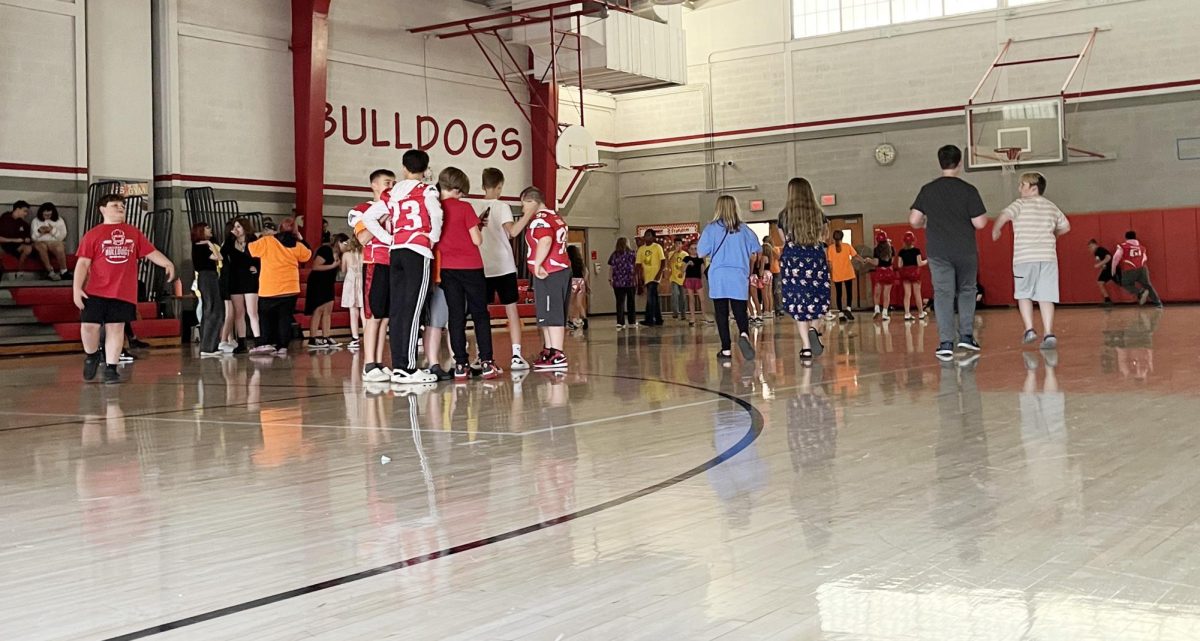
1105, 275
551, 294
14, 250
107, 310
504, 287
377, 289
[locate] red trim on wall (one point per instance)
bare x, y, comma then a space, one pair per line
258, 182
56, 169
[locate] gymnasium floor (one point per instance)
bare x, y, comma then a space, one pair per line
649, 493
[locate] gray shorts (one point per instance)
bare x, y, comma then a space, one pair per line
551, 294
436, 313
1036, 281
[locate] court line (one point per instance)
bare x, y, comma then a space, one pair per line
751, 435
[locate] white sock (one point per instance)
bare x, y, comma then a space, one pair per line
516, 349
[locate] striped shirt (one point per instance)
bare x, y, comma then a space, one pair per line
1035, 222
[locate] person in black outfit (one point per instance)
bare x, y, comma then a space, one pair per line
318, 300
693, 284
241, 270
1103, 260
206, 260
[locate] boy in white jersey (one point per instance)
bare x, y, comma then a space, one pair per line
1037, 224
416, 214
499, 264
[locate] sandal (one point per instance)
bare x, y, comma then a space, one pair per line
806, 354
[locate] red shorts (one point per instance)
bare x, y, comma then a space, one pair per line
883, 276
910, 274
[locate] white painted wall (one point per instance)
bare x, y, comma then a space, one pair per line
120, 98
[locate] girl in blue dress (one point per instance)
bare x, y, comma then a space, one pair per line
804, 266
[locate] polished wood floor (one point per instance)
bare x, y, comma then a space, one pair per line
650, 493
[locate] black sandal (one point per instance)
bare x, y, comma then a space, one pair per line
806, 354
722, 356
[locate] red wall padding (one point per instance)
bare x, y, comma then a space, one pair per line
1171, 238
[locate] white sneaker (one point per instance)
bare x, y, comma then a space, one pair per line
228, 347
388, 371
216, 354
416, 377
518, 364
885, 315
376, 375
414, 389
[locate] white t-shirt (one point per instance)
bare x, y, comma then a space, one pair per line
1035, 222
497, 247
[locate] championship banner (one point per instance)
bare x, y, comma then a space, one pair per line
671, 229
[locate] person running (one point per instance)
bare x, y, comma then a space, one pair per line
352, 288
243, 285
621, 264
105, 285
911, 262
376, 278
1037, 224
675, 276
652, 259
499, 263
1104, 271
207, 262
463, 280
950, 209
842, 258
580, 286
804, 264
693, 284
546, 238
883, 276
729, 244
1131, 259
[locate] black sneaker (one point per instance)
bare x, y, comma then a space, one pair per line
138, 344
945, 351
111, 375
91, 364
314, 343
849, 314
441, 374
968, 342
126, 357
461, 372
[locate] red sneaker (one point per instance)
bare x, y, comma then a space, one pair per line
488, 370
543, 358
554, 361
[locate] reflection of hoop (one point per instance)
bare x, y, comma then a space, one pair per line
1009, 157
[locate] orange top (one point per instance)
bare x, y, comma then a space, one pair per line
279, 274
775, 257
841, 268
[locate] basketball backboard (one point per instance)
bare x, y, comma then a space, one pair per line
1036, 127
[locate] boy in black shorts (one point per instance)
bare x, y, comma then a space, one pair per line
106, 282
1103, 261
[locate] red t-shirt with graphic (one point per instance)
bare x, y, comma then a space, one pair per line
457, 250
1133, 255
548, 224
374, 251
114, 251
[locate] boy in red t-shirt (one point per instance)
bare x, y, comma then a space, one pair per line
105, 285
546, 237
376, 280
463, 281
1130, 259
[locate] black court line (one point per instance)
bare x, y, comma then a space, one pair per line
756, 427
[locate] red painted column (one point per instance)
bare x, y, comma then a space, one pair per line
544, 138
310, 55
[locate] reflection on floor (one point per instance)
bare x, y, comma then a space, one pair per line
1022, 495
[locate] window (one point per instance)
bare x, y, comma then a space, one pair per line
818, 17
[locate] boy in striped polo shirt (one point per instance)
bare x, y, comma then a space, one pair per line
1037, 224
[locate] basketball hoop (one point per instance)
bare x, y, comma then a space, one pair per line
1009, 157
589, 166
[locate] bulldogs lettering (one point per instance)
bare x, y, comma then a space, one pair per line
456, 137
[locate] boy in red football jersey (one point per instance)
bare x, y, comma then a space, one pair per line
463, 281
546, 237
376, 279
1130, 259
106, 282
416, 215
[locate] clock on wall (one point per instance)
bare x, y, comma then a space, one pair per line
885, 153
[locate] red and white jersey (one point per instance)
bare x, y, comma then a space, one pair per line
1133, 255
415, 214
374, 250
548, 224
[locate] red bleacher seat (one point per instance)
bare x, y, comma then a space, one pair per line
153, 328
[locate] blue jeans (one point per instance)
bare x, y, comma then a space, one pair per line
653, 312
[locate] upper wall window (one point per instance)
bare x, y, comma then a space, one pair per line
817, 17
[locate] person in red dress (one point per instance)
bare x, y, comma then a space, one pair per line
106, 282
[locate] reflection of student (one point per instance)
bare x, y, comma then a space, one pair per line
1043, 424
736, 479
963, 476
812, 440
1135, 347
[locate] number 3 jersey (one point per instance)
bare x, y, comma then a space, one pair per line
548, 224
415, 213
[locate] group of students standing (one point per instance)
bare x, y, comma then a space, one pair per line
429, 260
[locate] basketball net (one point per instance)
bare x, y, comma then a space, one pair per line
1009, 157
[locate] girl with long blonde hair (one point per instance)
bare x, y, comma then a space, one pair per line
729, 244
804, 266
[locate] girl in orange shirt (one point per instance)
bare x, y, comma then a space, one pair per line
842, 258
